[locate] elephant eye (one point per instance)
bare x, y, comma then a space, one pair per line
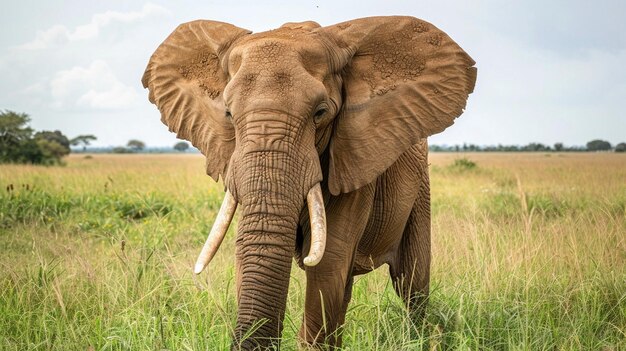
319, 113
228, 115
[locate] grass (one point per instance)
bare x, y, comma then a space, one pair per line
529, 253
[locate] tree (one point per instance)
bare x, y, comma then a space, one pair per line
14, 126
14, 131
598, 145
53, 146
85, 140
136, 145
621, 147
54, 137
181, 146
558, 146
51, 151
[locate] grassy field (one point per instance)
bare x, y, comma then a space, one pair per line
529, 253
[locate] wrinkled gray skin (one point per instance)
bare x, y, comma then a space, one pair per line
350, 106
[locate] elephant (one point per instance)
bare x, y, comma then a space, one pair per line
319, 135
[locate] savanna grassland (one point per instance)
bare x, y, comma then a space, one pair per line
529, 253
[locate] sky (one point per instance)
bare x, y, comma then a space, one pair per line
548, 71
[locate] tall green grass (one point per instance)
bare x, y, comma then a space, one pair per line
529, 253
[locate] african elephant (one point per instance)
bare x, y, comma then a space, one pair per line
334, 118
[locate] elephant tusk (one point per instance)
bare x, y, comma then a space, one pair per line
216, 236
317, 216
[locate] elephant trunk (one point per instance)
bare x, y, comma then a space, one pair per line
264, 250
271, 188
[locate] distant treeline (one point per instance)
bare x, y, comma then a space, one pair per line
19, 143
127, 150
593, 145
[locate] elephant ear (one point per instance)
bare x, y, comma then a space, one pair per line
186, 81
404, 80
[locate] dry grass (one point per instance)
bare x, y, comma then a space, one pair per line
529, 253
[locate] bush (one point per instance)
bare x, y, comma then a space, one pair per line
134, 209
463, 164
121, 150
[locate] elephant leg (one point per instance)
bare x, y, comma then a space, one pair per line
410, 270
329, 284
347, 296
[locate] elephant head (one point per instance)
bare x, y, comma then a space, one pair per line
265, 108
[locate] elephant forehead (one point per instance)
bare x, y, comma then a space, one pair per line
284, 43
271, 64
250, 81
286, 64
264, 52
286, 86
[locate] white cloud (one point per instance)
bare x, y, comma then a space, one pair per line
58, 35
53, 36
95, 86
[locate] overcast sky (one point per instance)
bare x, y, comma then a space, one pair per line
548, 71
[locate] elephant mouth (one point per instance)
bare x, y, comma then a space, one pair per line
317, 217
